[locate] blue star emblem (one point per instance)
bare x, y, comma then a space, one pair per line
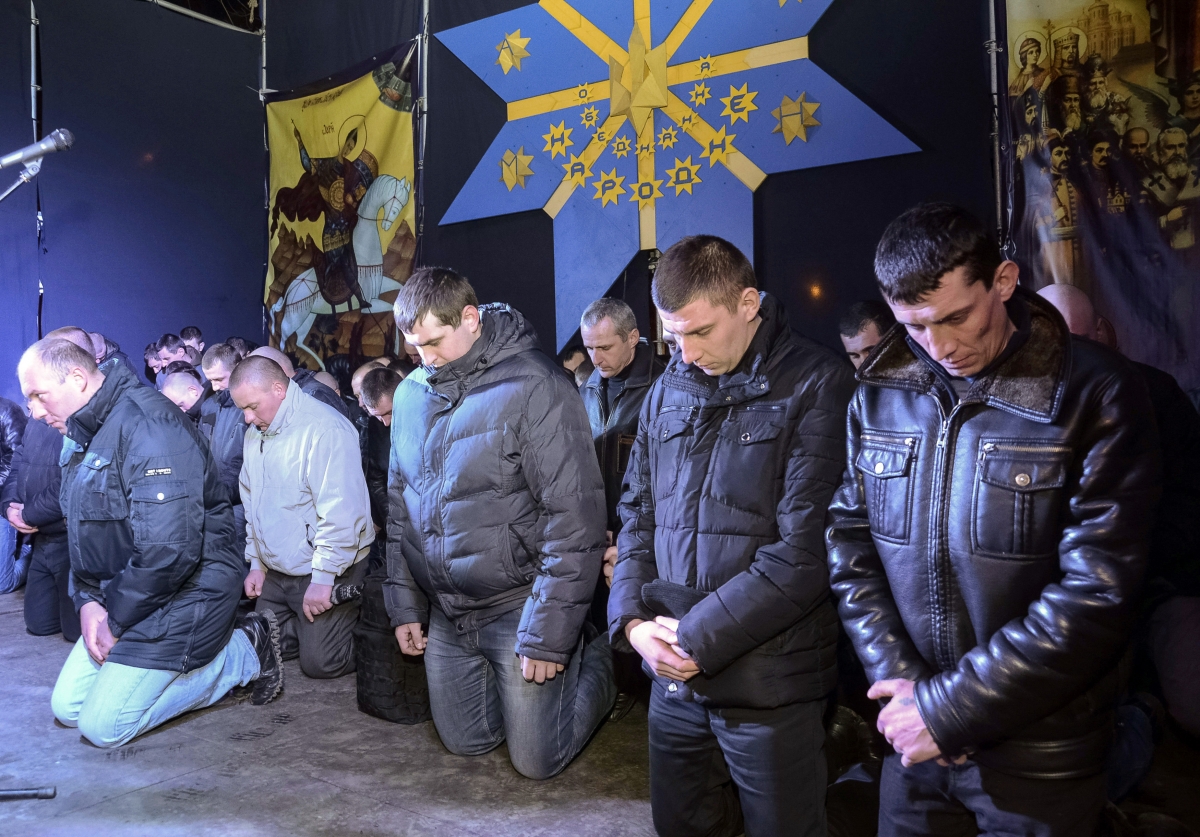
640, 65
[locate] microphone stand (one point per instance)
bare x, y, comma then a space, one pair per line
27, 174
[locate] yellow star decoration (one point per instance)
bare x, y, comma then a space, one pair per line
558, 140
700, 94
589, 116
684, 176
783, 3
621, 146
583, 93
706, 64
719, 148
739, 103
512, 50
578, 170
645, 191
667, 138
687, 118
600, 136
609, 188
795, 117
514, 168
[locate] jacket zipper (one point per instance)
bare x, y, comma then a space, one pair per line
939, 557
908, 442
992, 447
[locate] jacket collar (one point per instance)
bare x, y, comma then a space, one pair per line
85, 423
287, 410
749, 379
640, 370
1029, 383
505, 333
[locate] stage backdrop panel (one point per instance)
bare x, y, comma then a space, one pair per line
18, 212
154, 220
1102, 164
342, 212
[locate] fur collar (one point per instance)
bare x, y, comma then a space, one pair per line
1030, 383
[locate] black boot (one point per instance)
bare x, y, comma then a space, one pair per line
262, 629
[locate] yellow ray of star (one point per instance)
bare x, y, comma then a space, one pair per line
794, 118
514, 168
647, 216
739, 103
684, 176
548, 102
685, 25
741, 166
608, 187
587, 32
735, 62
512, 50
591, 152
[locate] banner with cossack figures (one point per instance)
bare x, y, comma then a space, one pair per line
342, 212
1101, 157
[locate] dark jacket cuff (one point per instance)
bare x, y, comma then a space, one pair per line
941, 719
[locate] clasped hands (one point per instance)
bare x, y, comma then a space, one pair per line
901, 724
412, 641
658, 644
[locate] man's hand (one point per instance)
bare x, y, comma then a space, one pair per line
902, 725
610, 564
15, 515
411, 640
254, 583
659, 646
97, 638
539, 671
316, 600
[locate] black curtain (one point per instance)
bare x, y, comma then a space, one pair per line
18, 212
154, 220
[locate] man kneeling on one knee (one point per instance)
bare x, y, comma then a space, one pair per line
308, 515
154, 567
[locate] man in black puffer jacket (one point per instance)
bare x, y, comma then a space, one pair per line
721, 582
988, 542
154, 570
30, 502
223, 426
495, 531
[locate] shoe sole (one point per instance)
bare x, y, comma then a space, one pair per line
277, 654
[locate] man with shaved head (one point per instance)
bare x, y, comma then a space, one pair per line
305, 379
308, 516
361, 372
186, 392
154, 571
1075, 306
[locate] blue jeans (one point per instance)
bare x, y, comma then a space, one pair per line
479, 698
113, 703
719, 772
14, 564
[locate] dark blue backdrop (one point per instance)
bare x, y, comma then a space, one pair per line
154, 220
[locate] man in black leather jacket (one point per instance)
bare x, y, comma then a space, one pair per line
624, 369
721, 582
989, 539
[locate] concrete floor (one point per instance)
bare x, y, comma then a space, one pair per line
308, 764
311, 764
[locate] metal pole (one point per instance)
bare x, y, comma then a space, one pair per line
995, 50
28, 793
423, 117
34, 87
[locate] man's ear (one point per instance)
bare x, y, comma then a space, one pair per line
1005, 278
470, 318
634, 336
749, 303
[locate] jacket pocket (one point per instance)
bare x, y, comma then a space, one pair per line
1018, 491
747, 460
885, 463
100, 496
517, 564
669, 434
158, 513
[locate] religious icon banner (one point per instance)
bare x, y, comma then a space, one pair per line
342, 212
633, 123
1100, 158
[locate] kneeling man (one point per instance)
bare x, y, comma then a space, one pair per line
154, 570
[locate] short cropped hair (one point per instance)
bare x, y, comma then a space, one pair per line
927, 242
378, 383
73, 334
433, 290
701, 266
170, 342
239, 345
151, 351
569, 352
862, 314
258, 371
190, 333
179, 366
221, 353
616, 310
60, 356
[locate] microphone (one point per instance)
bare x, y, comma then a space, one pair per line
59, 140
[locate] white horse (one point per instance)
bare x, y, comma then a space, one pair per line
302, 301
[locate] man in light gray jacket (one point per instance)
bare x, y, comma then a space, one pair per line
308, 515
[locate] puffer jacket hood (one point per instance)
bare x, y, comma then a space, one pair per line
496, 501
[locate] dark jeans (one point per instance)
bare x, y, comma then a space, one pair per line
1175, 645
48, 606
713, 770
325, 645
967, 799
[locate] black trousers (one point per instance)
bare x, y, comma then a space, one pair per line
48, 606
715, 771
968, 799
